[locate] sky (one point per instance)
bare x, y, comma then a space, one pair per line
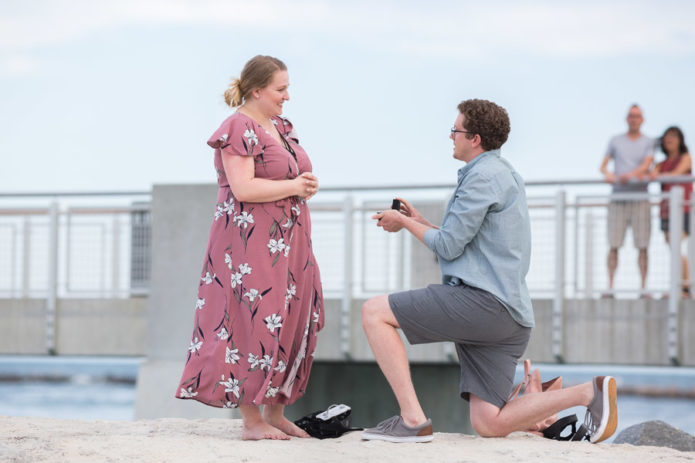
112, 96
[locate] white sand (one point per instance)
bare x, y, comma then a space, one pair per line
180, 440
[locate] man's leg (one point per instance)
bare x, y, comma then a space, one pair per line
643, 262
526, 410
618, 219
641, 230
381, 326
612, 265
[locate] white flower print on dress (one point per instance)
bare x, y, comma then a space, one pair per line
287, 224
228, 260
272, 391
266, 362
281, 366
296, 210
187, 393
251, 137
274, 121
252, 294
287, 251
231, 356
316, 317
244, 219
236, 279
291, 291
230, 404
244, 269
207, 279
199, 303
273, 321
219, 212
276, 246
253, 360
231, 385
195, 345
228, 206
223, 335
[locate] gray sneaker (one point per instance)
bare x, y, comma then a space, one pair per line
602, 413
394, 429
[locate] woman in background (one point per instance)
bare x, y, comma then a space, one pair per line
677, 162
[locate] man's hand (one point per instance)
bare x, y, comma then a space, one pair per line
390, 220
408, 210
624, 178
610, 177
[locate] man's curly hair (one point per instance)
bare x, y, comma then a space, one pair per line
488, 120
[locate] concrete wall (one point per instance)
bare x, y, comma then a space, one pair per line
83, 326
181, 219
620, 331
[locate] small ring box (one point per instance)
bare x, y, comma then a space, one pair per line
333, 410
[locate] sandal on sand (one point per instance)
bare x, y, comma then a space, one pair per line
556, 431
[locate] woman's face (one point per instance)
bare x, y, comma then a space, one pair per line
271, 98
671, 142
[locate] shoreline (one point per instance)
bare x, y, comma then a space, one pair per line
182, 440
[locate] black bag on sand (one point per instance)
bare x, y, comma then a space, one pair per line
327, 424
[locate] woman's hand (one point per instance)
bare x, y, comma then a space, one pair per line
307, 185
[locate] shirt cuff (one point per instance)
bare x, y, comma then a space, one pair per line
429, 238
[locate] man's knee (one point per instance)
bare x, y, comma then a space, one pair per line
370, 312
376, 310
487, 426
485, 419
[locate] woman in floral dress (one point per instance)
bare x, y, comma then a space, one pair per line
260, 304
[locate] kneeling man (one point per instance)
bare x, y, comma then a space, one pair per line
482, 305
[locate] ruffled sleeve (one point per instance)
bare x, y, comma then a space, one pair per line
286, 128
237, 135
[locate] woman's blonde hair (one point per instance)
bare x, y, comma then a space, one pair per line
257, 73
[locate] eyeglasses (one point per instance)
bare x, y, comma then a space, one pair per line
455, 130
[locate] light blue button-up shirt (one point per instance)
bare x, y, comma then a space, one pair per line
485, 237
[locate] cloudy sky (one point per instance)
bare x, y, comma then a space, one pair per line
103, 95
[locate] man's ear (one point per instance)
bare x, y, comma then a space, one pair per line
477, 141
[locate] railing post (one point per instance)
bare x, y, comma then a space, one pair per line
52, 295
346, 302
559, 290
589, 256
116, 253
26, 256
675, 227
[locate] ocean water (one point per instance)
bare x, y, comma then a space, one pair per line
103, 388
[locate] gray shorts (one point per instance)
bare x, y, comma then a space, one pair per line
635, 214
488, 340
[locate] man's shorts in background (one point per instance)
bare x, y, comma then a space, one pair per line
636, 214
488, 340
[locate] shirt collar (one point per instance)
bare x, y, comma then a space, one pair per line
462, 171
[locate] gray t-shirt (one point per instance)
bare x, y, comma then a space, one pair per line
627, 155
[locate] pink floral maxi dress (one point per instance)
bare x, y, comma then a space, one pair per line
260, 304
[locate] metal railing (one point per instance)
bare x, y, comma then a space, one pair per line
64, 248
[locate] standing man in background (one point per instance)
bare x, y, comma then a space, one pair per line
632, 154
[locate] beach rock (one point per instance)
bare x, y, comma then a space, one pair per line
657, 433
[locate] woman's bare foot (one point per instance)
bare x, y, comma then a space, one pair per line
286, 426
261, 430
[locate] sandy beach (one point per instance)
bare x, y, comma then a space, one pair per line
180, 440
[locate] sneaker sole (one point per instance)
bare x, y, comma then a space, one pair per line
396, 439
609, 421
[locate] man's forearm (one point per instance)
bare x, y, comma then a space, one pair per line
416, 228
